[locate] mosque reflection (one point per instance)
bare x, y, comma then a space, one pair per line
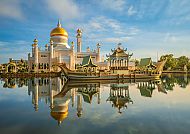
57, 93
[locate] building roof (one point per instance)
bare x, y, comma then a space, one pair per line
87, 61
119, 52
146, 89
145, 61
88, 94
145, 92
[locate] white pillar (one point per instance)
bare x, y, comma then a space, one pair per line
51, 93
79, 40
36, 57
51, 55
73, 96
79, 105
36, 94
98, 52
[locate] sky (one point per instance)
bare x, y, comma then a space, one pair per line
147, 28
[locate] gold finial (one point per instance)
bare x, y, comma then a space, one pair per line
72, 43
98, 45
59, 23
35, 41
79, 30
51, 42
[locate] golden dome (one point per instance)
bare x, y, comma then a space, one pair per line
59, 31
59, 116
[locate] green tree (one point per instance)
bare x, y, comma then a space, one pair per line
171, 62
188, 65
182, 62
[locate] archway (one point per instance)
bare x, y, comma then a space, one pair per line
11, 67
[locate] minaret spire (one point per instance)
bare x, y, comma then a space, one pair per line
59, 23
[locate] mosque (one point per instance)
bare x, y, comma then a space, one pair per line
59, 51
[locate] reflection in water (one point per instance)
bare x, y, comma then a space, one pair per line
58, 94
119, 96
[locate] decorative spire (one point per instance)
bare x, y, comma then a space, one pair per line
59, 23
98, 45
79, 31
72, 45
118, 45
51, 42
35, 42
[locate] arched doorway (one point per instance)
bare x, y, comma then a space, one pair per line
11, 68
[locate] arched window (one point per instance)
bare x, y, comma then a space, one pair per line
44, 65
47, 66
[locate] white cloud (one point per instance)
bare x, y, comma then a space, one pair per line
178, 12
107, 31
11, 8
104, 24
116, 39
149, 43
108, 26
66, 9
14, 49
131, 11
169, 38
116, 5
178, 8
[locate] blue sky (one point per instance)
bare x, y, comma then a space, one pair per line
145, 27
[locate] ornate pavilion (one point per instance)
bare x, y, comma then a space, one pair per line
119, 60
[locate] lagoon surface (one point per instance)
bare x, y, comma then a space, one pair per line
50, 106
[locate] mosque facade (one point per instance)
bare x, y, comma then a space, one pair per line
59, 51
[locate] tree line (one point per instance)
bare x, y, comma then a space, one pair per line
180, 63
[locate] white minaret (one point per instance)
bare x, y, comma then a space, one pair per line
46, 47
35, 50
99, 97
29, 69
51, 55
79, 40
36, 94
72, 45
98, 52
79, 105
72, 57
73, 92
51, 93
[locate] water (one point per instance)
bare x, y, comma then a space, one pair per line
49, 106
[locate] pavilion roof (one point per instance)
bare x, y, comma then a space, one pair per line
145, 61
119, 52
145, 91
87, 62
87, 95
